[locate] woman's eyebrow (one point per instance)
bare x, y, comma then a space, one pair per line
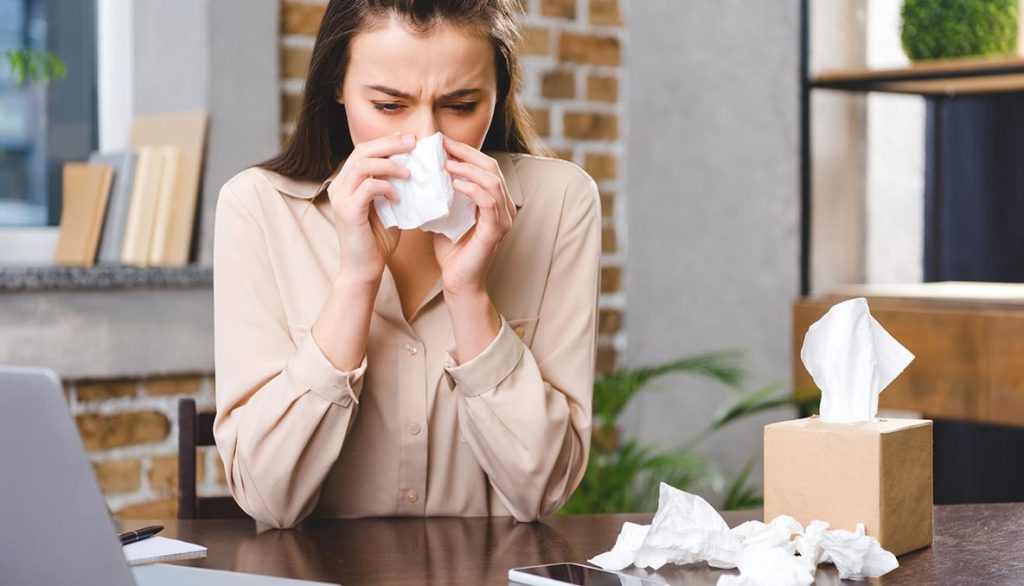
400, 94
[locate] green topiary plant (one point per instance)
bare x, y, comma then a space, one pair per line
938, 29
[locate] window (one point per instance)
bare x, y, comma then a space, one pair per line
42, 126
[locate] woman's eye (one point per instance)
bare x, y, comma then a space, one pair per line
387, 107
463, 107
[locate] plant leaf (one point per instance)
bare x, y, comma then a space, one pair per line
740, 496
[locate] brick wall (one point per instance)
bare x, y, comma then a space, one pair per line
130, 431
574, 89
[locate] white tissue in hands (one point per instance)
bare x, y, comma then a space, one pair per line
852, 359
426, 200
686, 529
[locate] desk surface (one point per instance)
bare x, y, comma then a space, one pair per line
974, 544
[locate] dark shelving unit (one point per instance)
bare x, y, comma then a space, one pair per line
933, 80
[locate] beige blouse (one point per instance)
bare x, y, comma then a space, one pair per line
408, 432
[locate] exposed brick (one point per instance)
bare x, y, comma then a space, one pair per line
592, 49
290, 106
119, 475
602, 88
607, 359
611, 279
163, 472
609, 321
601, 166
607, 204
173, 385
106, 389
541, 120
564, 154
294, 62
536, 40
558, 8
558, 83
301, 18
161, 509
210, 454
101, 432
591, 126
605, 12
609, 241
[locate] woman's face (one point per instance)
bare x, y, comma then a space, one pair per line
401, 82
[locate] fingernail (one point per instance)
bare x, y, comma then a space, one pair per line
408, 139
458, 182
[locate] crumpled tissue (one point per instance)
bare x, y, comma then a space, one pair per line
686, 529
426, 200
852, 359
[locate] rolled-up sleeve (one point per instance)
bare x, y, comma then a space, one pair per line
283, 410
525, 411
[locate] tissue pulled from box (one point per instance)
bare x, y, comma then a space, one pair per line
852, 359
426, 200
686, 529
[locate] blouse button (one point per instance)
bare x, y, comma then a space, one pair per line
414, 429
411, 349
411, 496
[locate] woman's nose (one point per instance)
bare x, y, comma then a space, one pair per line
425, 125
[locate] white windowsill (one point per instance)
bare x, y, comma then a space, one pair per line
28, 246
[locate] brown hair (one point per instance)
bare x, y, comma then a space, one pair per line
321, 138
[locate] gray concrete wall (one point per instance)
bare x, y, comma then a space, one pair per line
109, 333
220, 56
713, 210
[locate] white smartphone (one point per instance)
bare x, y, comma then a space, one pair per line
572, 574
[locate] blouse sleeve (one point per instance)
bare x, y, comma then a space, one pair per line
526, 411
283, 410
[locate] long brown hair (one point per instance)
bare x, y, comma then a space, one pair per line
321, 138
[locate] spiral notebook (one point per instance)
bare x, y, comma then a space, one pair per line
161, 549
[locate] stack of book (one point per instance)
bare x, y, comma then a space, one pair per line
135, 207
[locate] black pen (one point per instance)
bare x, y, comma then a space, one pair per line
140, 534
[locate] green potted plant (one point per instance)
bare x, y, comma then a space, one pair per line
623, 474
32, 65
943, 29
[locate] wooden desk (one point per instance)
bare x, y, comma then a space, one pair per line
974, 544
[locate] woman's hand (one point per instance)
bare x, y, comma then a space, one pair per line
364, 243
464, 264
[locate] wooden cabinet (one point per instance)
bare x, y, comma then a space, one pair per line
968, 339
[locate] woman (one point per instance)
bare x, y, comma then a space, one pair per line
369, 372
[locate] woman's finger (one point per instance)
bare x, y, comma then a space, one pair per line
490, 211
493, 184
358, 169
359, 204
463, 152
385, 146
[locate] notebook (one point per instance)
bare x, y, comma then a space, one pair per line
161, 549
112, 239
86, 189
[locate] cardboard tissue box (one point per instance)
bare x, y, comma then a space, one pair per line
878, 473
847, 466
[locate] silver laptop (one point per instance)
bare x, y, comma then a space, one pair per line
55, 527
